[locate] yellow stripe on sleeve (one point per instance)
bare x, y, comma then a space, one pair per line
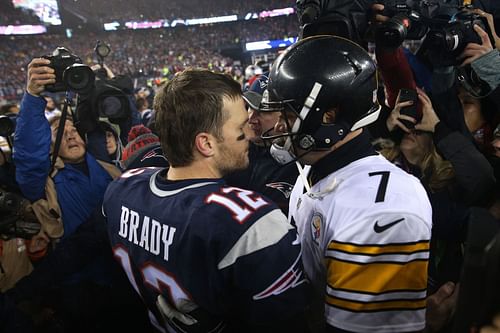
377, 278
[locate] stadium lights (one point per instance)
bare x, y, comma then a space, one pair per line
270, 44
22, 29
198, 21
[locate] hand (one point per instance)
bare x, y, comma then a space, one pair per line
491, 25
441, 306
39, 74
474, 51
494, 328
429, 117
378, 18
394, 118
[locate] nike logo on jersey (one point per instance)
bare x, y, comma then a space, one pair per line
381, 228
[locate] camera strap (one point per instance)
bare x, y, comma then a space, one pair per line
60, 132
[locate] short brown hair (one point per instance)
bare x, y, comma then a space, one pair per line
189, 104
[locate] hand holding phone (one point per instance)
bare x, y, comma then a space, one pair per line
407, 95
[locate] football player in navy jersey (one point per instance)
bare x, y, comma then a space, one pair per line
264, 174
365, 224
204, 256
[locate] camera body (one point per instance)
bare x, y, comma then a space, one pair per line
71, 73
405, 22
446, 40
16, 219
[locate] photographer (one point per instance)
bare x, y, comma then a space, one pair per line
65, 196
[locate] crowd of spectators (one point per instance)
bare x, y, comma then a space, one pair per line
143, 54
127, 10
446, 138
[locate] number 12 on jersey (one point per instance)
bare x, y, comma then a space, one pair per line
250, 202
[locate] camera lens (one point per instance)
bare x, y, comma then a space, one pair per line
111, 107
79, 77
393, 32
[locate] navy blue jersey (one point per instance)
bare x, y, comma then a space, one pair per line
219, 256
266, 176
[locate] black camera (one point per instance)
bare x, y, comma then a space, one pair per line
405, 22
344, 18
71, 73
447, 39
16, 221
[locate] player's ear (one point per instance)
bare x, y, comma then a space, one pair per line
204, 144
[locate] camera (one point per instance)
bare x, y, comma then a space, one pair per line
344, 18
71, 73
405, 22
447, 39
17, 221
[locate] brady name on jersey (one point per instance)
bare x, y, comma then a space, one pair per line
204, 256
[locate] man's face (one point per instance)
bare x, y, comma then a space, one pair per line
72, 148
110, 143
286, 120
261, 122
232, 151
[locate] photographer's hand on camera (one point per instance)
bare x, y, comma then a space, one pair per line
491, 25
429, 116
395, 117
474, 51
39, 75
377, 17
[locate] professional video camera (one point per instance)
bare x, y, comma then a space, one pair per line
71, 73
16, 220
108, 97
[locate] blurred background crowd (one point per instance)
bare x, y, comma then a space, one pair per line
454, 149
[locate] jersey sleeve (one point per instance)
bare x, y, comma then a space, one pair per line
264, 268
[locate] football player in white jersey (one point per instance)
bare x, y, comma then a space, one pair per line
364, 224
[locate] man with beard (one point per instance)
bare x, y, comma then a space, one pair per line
205, 256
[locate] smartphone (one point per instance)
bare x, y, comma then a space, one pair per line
406, 95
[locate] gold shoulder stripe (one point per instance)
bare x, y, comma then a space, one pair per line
377, 277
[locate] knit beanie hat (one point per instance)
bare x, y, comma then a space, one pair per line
143, 149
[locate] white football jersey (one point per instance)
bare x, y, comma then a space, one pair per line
365, 232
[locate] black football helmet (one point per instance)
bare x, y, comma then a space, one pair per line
315, 75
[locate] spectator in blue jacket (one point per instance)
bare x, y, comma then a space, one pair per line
78, 178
